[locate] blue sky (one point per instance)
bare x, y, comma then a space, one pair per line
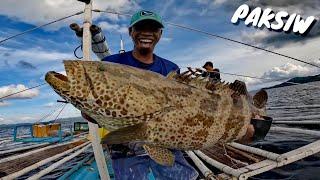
24, 60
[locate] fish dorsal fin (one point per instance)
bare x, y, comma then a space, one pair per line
160, 155
260, 99
239, 87
196, 79
126, 134
172, 75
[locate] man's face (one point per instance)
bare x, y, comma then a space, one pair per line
145, 35
208, 67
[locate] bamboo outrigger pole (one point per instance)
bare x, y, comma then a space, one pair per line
93, 128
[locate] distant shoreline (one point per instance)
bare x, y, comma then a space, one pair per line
300, 80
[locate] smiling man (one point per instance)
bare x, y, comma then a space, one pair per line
129, 160
145, 30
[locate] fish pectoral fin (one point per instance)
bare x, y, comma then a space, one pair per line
160, 155
126, 134
260, 99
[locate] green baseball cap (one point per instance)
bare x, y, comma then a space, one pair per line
145, 15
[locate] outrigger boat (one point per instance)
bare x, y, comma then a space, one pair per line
230, 161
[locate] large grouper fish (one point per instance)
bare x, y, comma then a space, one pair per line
180, 111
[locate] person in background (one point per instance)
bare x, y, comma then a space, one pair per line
130, 161
211, 72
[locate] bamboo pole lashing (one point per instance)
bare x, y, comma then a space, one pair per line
204, 169
253, 150
252, 158
222, 167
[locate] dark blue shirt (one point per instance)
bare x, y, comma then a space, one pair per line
159, 65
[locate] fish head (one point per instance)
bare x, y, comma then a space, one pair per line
59, 83
103, 89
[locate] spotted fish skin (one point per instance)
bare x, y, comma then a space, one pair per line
163, 111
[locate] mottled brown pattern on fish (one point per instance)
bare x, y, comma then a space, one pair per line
189, 114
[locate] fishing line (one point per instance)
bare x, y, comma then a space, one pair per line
37, 27
217, 36
57, 106
64, 105
239, 42
22, 91
269, 80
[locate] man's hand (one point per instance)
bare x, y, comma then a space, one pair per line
88, 118
248, 137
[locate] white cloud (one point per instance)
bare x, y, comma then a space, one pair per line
25, 117
166, 39
39, 12
41, 55
255, 37
38, 57
113, 27
6, 121
4, 103
280, 74
49, 105
63, 72
6, 90
211, 3
289, 70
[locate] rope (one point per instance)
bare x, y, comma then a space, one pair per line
50, 113
37, 27
75, 51
22, 91
216, 36
60, 112
111, 12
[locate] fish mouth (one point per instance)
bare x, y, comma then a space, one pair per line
58, 82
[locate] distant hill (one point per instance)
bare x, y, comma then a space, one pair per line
300, 80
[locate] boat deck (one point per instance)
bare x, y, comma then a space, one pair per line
18, 164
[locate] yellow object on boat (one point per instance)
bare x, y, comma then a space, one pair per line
102, 132
45, 130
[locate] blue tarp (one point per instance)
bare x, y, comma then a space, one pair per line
140, 168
